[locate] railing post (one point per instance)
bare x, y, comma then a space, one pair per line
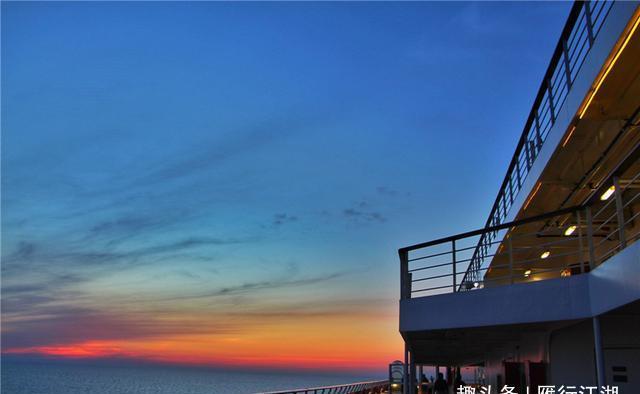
587, 14
510, 246
580, 246
511, 188
504, 206
552, 107
453, 252
592, 256
538, 135
620, 212
405, 283
567, 64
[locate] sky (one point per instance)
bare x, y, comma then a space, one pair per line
227, 184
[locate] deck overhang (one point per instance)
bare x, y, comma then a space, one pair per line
460, 328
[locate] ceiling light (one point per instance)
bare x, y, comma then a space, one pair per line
573, 128
545, 254
607, 193
527, 273
570, 230
610, 66
475, 285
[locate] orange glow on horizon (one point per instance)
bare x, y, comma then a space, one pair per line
343, 343
90, 349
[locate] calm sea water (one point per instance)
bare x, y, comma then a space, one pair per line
35, 377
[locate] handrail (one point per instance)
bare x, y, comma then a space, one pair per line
570, 52
564, 242
374, 386
488, 229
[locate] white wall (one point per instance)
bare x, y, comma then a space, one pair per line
569, 352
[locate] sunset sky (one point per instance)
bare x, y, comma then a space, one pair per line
228, 184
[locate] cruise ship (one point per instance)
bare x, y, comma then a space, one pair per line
547, 292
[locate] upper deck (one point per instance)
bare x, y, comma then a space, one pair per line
579, 139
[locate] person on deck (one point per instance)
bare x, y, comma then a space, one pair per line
440, 385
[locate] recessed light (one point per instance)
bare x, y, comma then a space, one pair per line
527, 273
570, 230
545, 254
607, 193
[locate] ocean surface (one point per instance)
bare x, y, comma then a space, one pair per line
51, 377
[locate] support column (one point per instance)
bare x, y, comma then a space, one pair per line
447, 376
420, 372
599, 352
412, 374
405, 376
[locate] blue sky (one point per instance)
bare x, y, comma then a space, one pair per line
177, 161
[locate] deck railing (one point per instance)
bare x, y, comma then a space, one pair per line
557, 244
582, 27
371, 387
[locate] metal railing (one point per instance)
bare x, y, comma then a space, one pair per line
557, 244
377, 386
582, 27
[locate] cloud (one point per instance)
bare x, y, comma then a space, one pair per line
282, 218
214, 153
28, 251
249, 287
28, 291
325, 308
51, 324
36, 315
386, 191
129, 224
188, 243
360, 213
25, 251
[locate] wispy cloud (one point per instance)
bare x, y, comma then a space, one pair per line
250, 287
30, 252
386, 191
47, 325
233, 144
36, 314
283, 218
362, 213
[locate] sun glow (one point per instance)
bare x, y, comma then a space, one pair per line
89, 349
346, 342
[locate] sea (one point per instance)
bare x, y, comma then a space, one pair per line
56, 377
